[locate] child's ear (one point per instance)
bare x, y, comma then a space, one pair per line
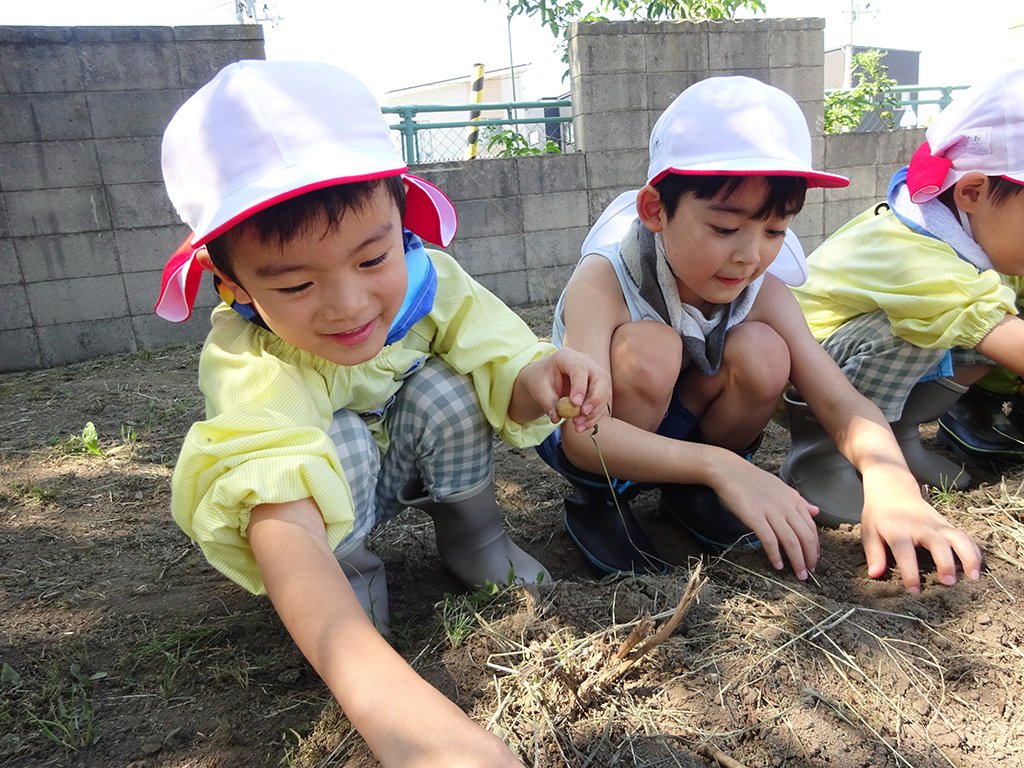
203, 257
650, 208
968, 190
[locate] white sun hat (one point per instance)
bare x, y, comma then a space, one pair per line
982, 130
734, 126
726, 126
261, 132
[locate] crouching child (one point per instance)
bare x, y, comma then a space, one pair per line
350, 372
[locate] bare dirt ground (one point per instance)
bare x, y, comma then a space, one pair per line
119, 646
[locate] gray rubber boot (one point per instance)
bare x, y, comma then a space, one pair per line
928, 401
365, 572
818, 471
471, 537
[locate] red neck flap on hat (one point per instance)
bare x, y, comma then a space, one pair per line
926, 174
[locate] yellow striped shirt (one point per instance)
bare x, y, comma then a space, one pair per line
268, 405
932, 297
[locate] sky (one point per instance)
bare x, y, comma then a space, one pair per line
391, 44
960, 42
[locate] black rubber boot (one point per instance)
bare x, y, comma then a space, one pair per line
601, 525
699, 511
599, 520
1016, 408
817, 470
926, 402
977, 429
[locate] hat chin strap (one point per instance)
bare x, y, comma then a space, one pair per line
965, 222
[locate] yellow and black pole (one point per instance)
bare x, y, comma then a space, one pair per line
476, 97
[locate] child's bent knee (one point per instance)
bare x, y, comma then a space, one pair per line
758, 357
646, 358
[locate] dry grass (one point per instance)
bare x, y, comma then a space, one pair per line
728, 663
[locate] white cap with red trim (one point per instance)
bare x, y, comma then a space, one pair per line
734, 126
726, 126
982, 131
261, 132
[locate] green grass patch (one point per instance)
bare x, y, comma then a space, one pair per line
63, 711
170, 655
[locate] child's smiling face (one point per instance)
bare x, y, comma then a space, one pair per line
331, 292
716, 247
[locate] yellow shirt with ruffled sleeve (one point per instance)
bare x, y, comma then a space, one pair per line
932, 297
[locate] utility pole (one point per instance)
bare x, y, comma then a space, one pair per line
246, 13
856, 11
848, 50
511, 63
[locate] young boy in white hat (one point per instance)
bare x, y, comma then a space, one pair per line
701, 343
348, 374
916, 298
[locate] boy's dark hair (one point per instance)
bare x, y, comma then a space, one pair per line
1000, 189
287, 220
785, 193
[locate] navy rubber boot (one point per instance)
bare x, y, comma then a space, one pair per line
699, 511
598, 518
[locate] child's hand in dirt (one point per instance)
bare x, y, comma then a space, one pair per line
422, 729
463, 745
903, 523
779, 516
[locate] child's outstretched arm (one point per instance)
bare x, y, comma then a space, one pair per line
566, 373
894, 514
381, 694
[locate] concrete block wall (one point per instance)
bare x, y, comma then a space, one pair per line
869, 163
521, 221
85, 225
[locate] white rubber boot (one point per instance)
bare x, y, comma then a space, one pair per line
471, 537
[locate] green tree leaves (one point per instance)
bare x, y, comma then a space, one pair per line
872, 92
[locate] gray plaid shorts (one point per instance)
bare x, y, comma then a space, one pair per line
881, 366
438, 433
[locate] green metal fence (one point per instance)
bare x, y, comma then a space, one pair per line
523, 127
538, 127
918, 105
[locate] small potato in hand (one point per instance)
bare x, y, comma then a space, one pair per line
565, 408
